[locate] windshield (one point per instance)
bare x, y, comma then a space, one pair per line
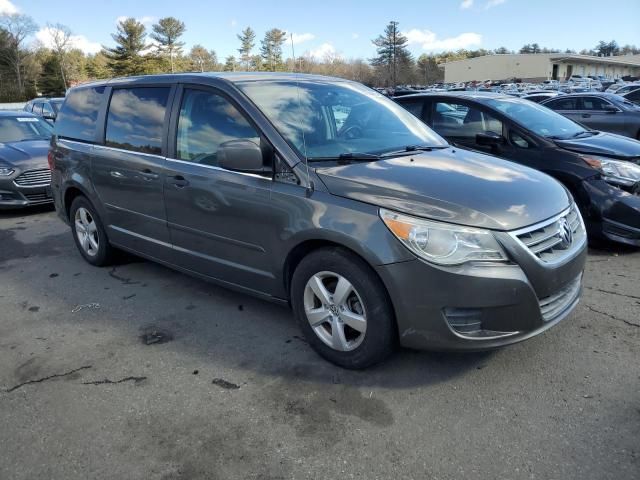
537, 118
328, 119
56, 104
18, 129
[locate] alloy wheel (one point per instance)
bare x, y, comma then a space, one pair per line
86, 231
335, 311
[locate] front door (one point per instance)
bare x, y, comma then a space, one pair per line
220, 221
128, 170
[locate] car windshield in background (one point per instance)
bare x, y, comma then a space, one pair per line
537, 118
56, 104
18, 129
327, 120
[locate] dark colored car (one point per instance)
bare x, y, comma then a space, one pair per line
24, 171
633, 96
600, 169
324, 194
606, 112
46, 108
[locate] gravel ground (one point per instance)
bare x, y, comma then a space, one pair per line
139, 372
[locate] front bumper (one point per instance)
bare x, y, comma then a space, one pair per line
17, 196
612, 213
511, 302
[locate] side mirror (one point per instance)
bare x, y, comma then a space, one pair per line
489, 139
610, 109
241, 156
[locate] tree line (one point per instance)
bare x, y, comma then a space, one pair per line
28, 69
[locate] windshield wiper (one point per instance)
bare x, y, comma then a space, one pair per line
414, 148
348, 157
577, 134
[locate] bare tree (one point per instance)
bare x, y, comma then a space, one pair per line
61, 43
18, 28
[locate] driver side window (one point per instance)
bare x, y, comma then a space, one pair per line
208, 120
462, 121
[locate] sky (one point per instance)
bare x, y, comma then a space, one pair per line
346, 27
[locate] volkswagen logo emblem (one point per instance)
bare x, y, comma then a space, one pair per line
565, 233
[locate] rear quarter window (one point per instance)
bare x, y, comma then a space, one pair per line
79, 114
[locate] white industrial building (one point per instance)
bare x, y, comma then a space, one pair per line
536, 67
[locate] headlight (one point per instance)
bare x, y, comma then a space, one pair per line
617, 172
443, 243
6, 171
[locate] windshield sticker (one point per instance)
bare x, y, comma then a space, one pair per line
26, 119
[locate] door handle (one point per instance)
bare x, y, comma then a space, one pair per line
148, 174
116, 174
178, 181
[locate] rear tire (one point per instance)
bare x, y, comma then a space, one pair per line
89, 233
343, 308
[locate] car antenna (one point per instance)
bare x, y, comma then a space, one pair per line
310, 185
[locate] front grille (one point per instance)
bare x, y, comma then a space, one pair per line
551, 241
34, 178
554, 305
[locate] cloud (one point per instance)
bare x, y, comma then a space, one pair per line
145, 20
430, 41
7, 8
493, 3
323, 51
45, 36
301, 37
355, 36
466, 4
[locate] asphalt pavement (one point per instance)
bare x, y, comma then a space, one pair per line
139, 372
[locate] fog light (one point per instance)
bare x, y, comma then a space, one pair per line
464, 320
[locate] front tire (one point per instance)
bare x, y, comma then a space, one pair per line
89, 233
343, 308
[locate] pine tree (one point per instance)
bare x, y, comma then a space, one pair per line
271, 49
167, 33
393, 55
126, 57
247, 42
230, 64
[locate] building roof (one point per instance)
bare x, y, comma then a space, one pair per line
631, 60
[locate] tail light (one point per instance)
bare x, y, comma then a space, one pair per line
51, 159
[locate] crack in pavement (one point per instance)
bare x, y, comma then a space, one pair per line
124, 280
628, 322
636, 297
50, 377
106, 381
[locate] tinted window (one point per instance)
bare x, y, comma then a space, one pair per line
207, 121
633, 96
135, 119
457, 120
563, 104
77, 118
594, 103
414, 106
46, 108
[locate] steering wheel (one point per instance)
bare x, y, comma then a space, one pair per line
351, 132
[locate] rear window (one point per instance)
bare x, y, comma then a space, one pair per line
79, 113
135, 119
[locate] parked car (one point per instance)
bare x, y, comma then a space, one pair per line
633, 96
324, 194
630, 87
24, 172
600, 111
46, 108
601, 170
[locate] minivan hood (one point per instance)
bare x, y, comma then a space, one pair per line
25, 155
452, 185
608, 144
